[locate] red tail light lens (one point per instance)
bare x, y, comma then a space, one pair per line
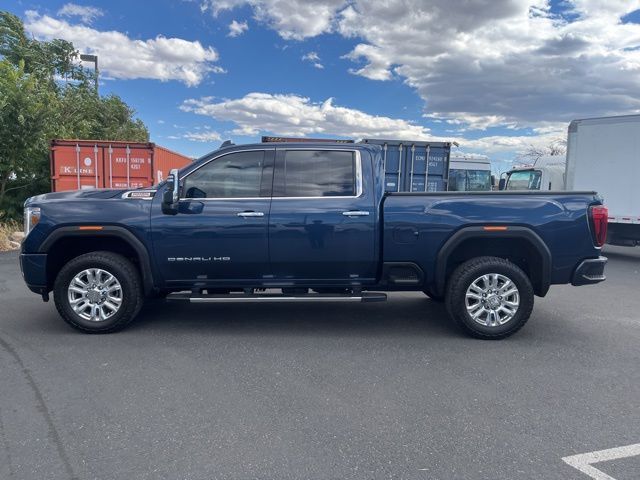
599, 216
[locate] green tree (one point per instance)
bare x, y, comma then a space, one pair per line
45, 94
84, 114
48, 60
26, 114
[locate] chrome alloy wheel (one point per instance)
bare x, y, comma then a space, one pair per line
492, 300
95, 294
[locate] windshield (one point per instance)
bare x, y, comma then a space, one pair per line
524, 180
461, 180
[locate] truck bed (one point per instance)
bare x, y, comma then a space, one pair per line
417, 225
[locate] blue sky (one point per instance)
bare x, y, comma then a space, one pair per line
493, 76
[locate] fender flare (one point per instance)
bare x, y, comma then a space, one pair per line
107, 231
467, 233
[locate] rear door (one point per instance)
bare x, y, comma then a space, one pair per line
323, 220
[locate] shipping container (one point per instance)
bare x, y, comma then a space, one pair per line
413, 166
79, 164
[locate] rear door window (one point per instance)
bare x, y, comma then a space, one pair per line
317, 173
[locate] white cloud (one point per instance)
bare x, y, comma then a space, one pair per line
465, 121
508, 144
490, 63
121, 57
505, 62
86, 13
314, 58
206, 136
237, 28
293, 115
311, 57
293, 20
377, 67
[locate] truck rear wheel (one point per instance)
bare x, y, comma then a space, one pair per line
98, 292
489, 297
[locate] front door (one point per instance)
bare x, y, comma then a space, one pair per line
220, 234
323, 219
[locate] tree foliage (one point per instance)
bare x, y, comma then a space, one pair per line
25, 125
45, 94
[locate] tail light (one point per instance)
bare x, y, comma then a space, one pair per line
598, 217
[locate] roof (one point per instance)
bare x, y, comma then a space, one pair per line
573, 126
293, 146
417, 143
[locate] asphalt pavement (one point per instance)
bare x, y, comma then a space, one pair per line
322, 391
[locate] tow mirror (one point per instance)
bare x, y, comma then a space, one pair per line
171, 193
502, 183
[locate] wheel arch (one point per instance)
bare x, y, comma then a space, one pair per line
66, 243
521, 244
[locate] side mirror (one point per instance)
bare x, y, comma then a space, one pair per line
502, 183
171, 194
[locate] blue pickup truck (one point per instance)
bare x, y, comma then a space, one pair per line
306, 222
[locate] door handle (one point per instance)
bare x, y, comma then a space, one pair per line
355, 213
250, 214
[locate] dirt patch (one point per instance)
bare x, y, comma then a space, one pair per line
7, 229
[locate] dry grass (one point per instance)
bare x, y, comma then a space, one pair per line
6, 229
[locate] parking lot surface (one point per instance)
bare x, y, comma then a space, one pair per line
321, 391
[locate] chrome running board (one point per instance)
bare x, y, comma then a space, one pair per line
311, 297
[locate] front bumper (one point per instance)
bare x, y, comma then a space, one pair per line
589, 271
34, 271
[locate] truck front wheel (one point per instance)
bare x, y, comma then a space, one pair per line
489, 297
98, 292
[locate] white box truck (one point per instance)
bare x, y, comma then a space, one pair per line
603, 154
469, 174
546, 173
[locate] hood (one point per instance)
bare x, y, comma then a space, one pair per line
93, 193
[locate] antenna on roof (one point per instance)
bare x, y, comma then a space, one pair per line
227, 143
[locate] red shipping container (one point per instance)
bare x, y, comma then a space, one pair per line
78, 164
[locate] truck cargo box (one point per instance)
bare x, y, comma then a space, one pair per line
79, 164
603, 154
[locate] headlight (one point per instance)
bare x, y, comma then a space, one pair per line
31, 218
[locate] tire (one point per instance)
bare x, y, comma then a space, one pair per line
486, 276
433, 296
111, 308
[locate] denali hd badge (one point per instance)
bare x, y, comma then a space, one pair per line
199, 259
140, 194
